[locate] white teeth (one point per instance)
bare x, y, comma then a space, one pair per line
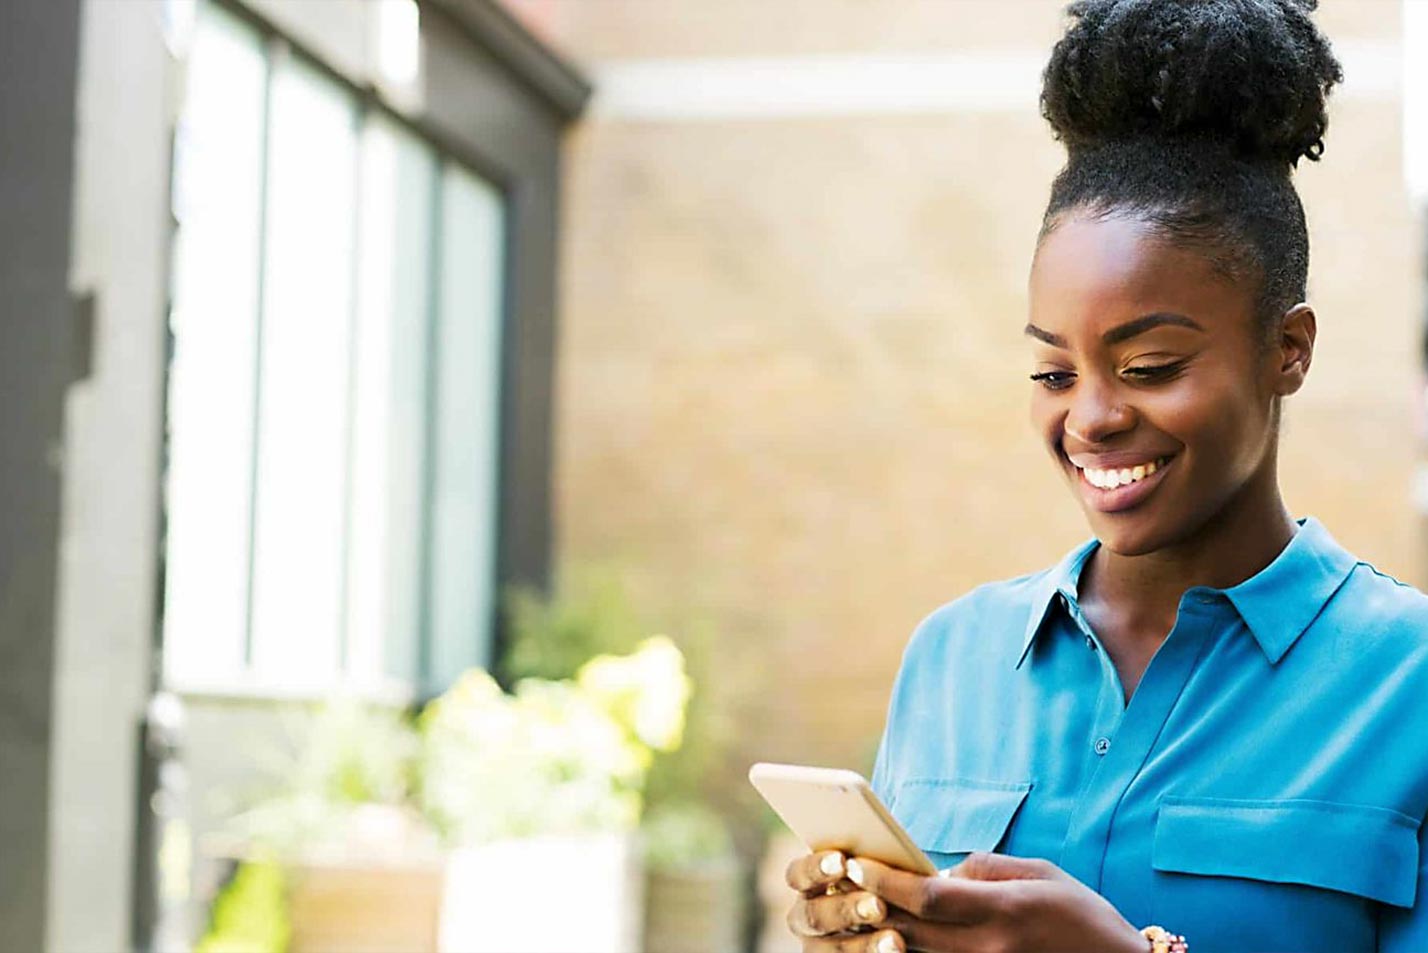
1110, 479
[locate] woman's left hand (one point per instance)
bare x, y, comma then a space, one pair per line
996, 902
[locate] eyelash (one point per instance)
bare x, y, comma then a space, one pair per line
1155, 373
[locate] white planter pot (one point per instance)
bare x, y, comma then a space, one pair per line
573, 894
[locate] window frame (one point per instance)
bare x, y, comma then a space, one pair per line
447, 152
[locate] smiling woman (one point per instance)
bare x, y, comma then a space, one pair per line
1147, 355
1204, 716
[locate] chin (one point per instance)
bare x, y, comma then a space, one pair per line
1129, 536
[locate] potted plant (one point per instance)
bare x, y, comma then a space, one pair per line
449, 833
541, 789
336, 856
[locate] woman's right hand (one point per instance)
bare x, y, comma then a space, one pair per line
830, 909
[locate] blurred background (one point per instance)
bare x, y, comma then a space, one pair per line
446, 442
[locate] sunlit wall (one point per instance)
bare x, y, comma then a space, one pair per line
792, 381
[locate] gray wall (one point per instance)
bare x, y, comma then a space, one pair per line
109, 553
38, 49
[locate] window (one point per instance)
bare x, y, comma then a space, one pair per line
334, 398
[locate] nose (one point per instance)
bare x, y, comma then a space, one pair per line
1096, 413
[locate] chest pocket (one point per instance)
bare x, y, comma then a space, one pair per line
1355, 849
950, 818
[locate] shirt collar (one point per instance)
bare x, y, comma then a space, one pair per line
1277, 604
1057, 583
1281, 601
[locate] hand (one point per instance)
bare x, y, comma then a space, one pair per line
831, 911
994, 902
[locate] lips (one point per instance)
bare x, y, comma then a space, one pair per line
1110, 485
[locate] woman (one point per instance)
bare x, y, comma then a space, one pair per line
1208, 719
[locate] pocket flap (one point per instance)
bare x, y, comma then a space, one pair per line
958, 815
1353, 848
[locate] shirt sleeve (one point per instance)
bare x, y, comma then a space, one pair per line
1405, 930
880, 781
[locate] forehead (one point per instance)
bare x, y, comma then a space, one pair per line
1098, 272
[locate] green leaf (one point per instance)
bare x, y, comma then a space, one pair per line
251, 913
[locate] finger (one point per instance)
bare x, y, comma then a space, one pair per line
988, 866
821, 916
922, 935
815, 873
884, 941
946, 899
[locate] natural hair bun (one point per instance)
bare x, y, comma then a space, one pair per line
1253, 74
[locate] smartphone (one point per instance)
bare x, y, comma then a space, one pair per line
833, 809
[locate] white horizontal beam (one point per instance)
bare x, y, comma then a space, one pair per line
878, 85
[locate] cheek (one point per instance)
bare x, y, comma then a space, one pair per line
1221, 423
1187, 416
1046, 415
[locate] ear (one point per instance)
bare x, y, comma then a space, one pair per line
1293, 348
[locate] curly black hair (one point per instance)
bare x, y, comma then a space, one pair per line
1191, 115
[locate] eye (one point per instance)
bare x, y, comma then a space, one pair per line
1054, 380
1151, 373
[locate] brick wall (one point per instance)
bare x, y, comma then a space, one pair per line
792, 390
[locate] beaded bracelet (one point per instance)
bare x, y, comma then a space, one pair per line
1163, 941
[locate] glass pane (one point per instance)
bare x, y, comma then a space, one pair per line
301, 498
217, 188
389, 410
466, 428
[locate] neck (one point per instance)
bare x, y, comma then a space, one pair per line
1241, 539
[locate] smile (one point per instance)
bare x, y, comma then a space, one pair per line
1114, 489
1110, 479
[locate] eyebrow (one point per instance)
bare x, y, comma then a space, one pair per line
1123, 332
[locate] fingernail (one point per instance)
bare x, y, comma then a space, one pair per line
887, 943
855, 872
945, 872
869, 909
831, 864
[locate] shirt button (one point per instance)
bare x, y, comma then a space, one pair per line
1103, 745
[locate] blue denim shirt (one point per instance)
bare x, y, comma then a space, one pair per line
1264, 789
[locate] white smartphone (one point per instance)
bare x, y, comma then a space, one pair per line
833, 809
